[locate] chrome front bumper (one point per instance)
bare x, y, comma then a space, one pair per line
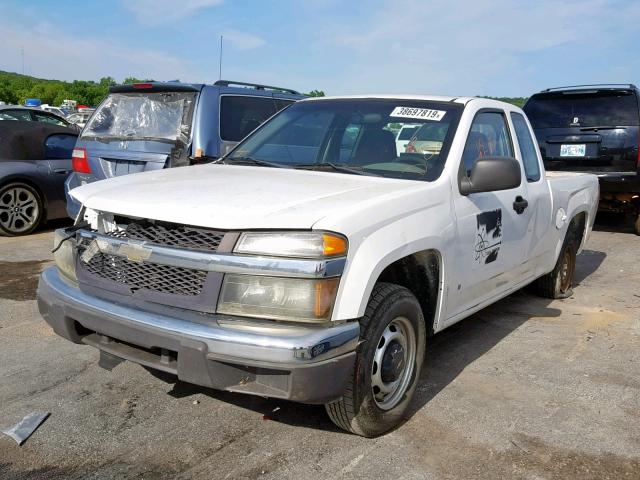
305, 363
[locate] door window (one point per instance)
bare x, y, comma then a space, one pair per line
23, 115
239, 116
488, 137
50, 119
527, 147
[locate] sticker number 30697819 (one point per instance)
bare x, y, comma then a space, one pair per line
420, 113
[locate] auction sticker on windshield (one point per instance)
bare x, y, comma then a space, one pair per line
420, 113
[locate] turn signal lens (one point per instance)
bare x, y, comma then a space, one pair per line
333, 245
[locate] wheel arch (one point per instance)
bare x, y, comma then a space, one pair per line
420, 273
419, 269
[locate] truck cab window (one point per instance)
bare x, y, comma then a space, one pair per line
489, 137
527, 147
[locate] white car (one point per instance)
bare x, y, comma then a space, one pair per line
81, 117
313, 262
404, 136
56, 110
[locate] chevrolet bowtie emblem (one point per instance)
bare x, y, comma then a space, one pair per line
134, 252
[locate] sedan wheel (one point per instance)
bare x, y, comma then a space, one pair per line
20, 209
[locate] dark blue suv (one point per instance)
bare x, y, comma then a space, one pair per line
150, 126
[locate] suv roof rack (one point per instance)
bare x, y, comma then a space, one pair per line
599, 85
257, 86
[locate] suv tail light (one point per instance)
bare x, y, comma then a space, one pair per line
80, 161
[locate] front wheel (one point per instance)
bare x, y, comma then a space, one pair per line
388, 363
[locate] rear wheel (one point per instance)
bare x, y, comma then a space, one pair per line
388, 364
21, 209
636, 225
559, 282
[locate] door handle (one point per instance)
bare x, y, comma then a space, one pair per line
61, 170
520, 204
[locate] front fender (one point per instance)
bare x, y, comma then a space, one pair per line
370, 253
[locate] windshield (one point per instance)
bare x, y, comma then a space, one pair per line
351, 136
163, 116
605, 108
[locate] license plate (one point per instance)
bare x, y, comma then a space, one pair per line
573, 150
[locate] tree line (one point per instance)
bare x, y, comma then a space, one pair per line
16, 88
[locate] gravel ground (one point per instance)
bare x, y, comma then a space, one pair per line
527, 388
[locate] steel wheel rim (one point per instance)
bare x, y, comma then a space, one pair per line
566, 271
19, 209
399, 332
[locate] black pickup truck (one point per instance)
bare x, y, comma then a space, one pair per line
595, 129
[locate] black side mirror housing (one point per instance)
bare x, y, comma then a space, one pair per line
491, 174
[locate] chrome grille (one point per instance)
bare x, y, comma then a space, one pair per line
148, 276
169, 234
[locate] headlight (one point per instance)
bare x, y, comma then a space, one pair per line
278, 298
292, 244
65, 255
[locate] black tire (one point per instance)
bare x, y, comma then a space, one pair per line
359, 410
21, 209
558, 283
636, 225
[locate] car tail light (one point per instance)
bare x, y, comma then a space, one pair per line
142, 85
80, 161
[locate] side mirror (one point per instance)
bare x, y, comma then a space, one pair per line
491, 174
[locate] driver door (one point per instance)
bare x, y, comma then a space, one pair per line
491, 233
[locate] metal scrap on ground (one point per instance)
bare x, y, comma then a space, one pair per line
25, 428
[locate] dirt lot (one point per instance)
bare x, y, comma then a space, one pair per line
527, 388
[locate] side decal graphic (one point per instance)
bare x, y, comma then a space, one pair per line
489, 236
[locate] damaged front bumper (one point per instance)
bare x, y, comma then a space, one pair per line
304, 363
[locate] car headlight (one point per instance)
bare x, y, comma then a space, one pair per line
65, 255
295, 299
292, 244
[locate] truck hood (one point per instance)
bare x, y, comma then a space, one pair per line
234, 197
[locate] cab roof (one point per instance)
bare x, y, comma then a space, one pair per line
405, 97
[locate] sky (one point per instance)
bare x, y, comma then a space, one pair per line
447, 47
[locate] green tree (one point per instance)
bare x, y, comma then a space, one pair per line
315, 93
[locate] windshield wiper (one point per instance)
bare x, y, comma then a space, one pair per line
255, 161
333, 166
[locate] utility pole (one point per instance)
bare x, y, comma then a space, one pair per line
220, 71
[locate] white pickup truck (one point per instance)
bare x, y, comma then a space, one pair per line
314, 262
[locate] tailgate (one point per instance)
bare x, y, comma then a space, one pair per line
121, 158
606, 150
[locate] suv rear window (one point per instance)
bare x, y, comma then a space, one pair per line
143, 116
241, 115
585, 109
